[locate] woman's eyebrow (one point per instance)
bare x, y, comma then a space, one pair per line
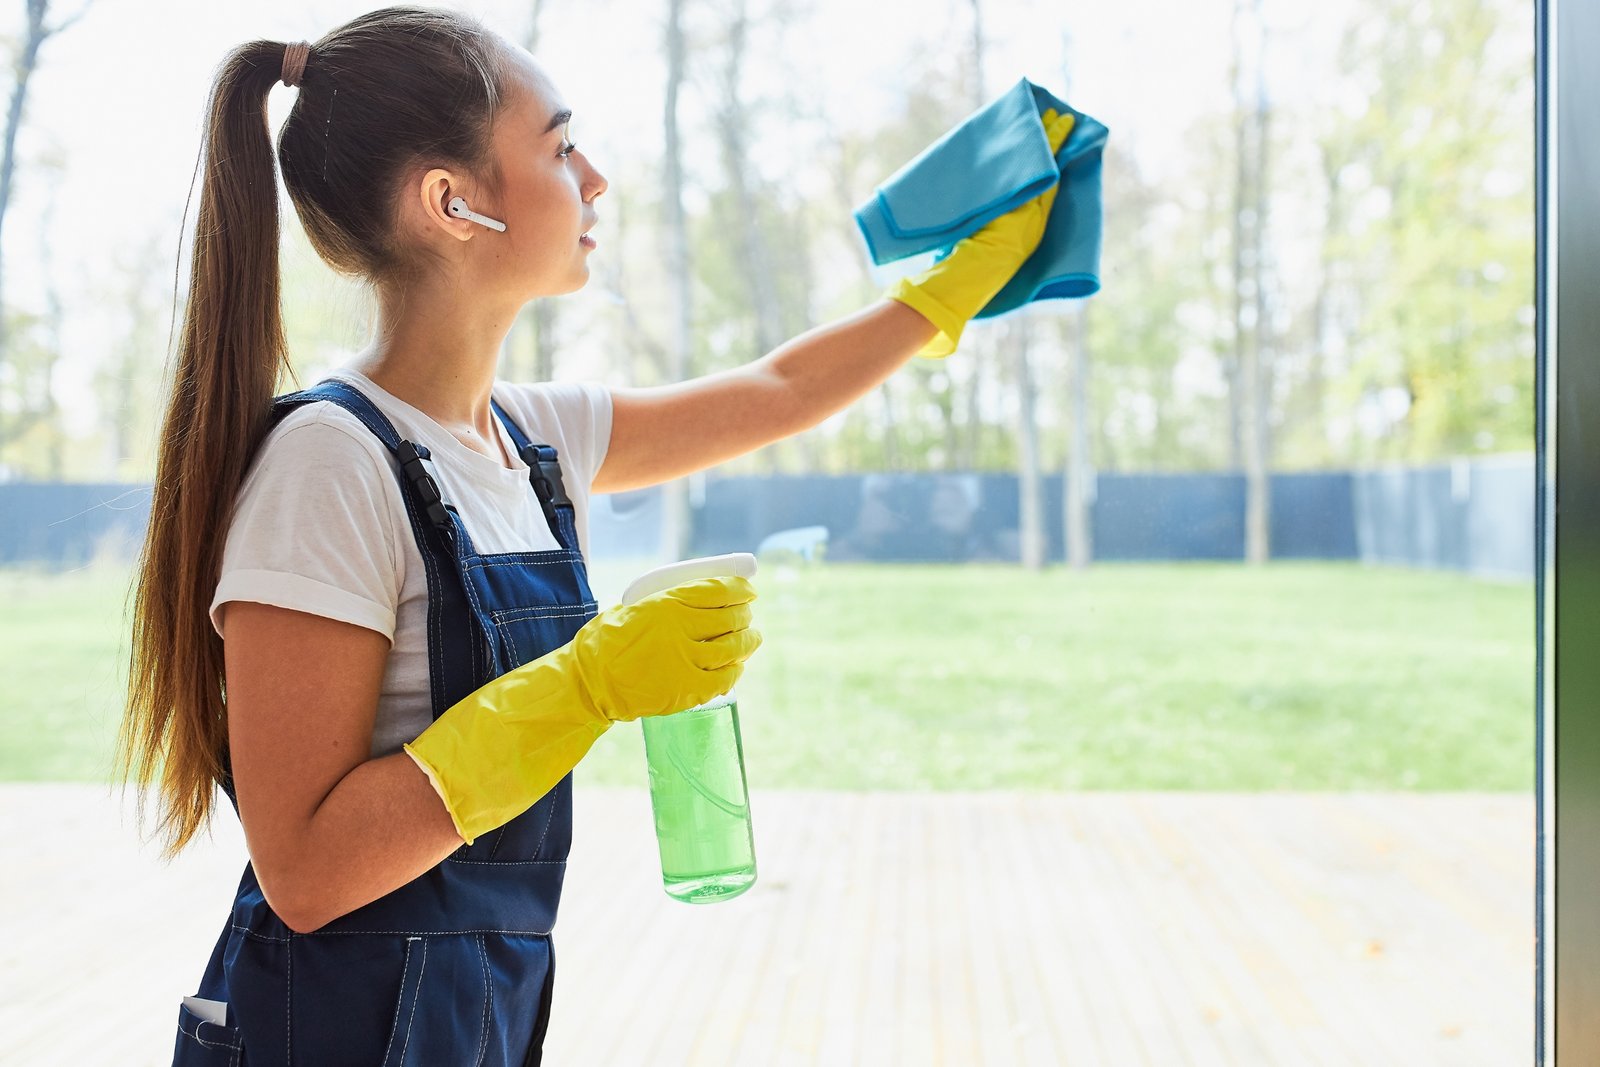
561, 118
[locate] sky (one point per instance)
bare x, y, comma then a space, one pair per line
120, 98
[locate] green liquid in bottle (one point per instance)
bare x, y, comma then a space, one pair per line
701, 802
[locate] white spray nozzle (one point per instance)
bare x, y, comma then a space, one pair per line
730, 565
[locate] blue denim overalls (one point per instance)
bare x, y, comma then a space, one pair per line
456, 966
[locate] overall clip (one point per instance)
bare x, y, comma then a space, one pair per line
546, 477
419, 470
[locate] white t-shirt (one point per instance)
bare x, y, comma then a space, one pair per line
320, 525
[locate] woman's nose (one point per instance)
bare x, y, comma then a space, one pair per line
596, 183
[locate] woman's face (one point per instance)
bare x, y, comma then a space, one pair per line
547, 202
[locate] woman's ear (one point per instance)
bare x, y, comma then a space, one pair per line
436, 191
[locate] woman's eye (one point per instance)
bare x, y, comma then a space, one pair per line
567, 149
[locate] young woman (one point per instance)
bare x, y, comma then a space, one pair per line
362, 608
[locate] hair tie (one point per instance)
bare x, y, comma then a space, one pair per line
294, 61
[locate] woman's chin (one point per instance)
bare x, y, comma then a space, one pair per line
575, 281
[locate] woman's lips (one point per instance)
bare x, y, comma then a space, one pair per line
586, 241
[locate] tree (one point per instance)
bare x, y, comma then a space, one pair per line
530, 354
30, 427
1015, 341
1079, 468
26, 407
1431, 254
752, 244
1030, 488
1252, 323
675, 515
910, 421
1158, 268
128, 382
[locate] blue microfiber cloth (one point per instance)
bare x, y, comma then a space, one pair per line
994, 161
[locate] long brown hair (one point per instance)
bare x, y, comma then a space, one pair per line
387, 92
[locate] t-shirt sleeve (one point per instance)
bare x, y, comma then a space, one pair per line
314, 530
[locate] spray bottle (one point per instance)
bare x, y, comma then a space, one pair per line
696, 760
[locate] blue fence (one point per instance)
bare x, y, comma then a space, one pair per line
67, 524
1473, 516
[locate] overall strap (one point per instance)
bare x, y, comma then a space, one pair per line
544, 471
458, 655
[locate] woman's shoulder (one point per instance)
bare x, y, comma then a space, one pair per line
329, 415
319, 523
324, 438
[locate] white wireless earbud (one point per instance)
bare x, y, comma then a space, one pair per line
458, 208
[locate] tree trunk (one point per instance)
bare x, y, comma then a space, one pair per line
544, 333
1258, 528
1030, 513
891, 430
1322, 327
54, 316
646, 359
751, 250
750, 247
26, 59
1258, 486
1078, 471
892, 454
676, 516
24, 63
979, 357
946, 400
531, 339
532, 41
1249, 224
1079, 466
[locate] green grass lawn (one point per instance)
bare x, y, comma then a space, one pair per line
1192, 676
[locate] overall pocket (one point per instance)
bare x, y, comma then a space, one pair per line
469, 1000
405, 1009
443, 1011
205, 1044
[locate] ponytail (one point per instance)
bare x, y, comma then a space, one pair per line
230, 355
388, 91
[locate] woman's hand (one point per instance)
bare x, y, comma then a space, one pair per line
957, 287
495, 752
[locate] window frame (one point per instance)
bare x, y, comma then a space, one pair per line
1567, 240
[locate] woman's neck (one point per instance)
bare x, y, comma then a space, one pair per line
442, 363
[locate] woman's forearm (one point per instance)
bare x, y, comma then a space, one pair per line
736, 411
380, 827
829, 367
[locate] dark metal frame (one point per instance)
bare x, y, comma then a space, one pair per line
1567, 220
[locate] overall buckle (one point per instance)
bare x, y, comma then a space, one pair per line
546, 477
424, 478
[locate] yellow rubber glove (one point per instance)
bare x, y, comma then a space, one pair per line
494, 753
958, 286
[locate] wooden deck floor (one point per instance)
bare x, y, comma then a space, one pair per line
1116, 929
